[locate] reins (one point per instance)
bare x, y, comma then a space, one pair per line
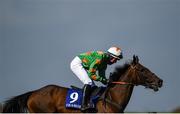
122, 83
117, 105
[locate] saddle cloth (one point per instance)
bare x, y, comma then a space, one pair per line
75, 95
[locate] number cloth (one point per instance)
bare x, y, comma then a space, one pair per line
74, 98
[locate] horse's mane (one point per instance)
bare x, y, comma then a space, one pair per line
120, 70
116, 74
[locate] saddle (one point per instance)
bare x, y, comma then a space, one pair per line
74, 96
96, 91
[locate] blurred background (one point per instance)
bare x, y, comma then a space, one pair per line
39, 38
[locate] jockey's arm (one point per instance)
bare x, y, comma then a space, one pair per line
93, 69
102, 73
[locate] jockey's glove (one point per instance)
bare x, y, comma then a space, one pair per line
104, 81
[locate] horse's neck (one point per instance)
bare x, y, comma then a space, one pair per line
121, 93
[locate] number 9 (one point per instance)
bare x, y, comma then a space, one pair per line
74, 97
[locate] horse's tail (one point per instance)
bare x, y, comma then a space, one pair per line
17, 104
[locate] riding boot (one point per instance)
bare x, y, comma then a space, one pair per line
86, 97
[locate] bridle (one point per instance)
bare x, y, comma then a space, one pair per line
126, 83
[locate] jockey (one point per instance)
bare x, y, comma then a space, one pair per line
85, 66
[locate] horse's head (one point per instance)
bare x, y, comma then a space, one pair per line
143, 76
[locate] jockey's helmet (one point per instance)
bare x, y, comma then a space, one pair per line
115, 52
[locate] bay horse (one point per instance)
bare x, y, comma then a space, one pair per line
116, 96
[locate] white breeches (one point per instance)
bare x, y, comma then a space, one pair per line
79, 71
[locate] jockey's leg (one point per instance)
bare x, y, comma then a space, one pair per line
86, 97
80, 72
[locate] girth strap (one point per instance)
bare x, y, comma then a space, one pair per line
107, 100
113, 103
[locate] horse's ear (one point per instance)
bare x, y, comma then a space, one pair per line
135, 59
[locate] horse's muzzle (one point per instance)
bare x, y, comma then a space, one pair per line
160, 83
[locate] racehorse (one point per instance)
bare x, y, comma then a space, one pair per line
115, 98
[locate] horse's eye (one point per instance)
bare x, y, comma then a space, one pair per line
142, 70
